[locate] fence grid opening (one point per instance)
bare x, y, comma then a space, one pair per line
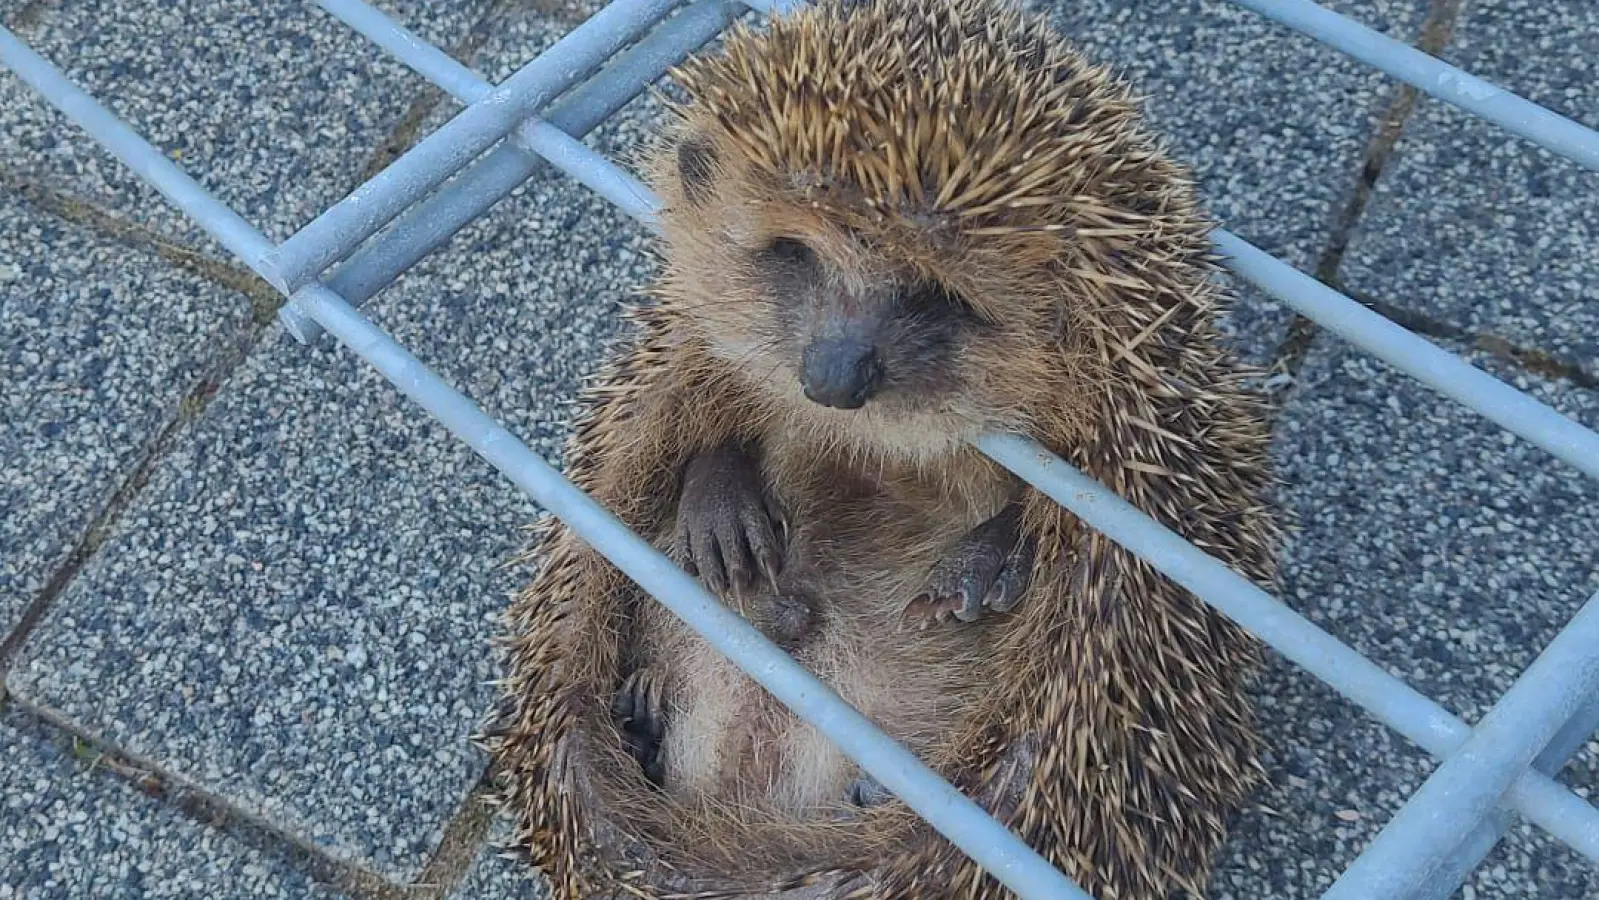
504, 134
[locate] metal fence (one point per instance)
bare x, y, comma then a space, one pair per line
1502, 766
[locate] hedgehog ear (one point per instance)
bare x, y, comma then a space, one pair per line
696, 168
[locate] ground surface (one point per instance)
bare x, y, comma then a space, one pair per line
245, 588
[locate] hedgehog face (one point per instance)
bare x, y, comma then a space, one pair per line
850, 330
892, 334
825, 318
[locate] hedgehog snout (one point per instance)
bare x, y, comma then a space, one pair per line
840, 372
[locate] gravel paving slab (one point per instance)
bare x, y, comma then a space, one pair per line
98, 345
274, 109
492, 876
1450, 553
68, 832
1483, 230
1274, 124
295, 613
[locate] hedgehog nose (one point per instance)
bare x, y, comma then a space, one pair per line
840, 373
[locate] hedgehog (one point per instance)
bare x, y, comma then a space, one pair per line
888, 227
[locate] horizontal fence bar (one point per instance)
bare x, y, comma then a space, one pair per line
333, 234
956, 816
1389, 699
1467, 786
427, 225
1476, 847
1433, 76
425, 59
1422, 360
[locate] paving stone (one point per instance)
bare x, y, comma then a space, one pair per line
68, 832
98, 344
1448, 552
1486, 231
275, 110
295, 613
1273, 123
497, 874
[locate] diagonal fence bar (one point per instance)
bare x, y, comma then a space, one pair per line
1389, 699
1433, 76
957, 817
333, 234
561, 150
427, 225
1469, 854
1467, 786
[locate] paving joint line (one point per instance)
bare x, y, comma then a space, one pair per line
189, 409
264, 300
1436, 31
215, 372
1530, 359
1527, 359
206, 809
464, 837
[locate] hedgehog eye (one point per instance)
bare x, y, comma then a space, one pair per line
696, 162
791, 252
933, 298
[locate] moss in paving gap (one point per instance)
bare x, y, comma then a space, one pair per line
1536, 361
464, 838
93, 537
30, 14
1531, 359
264, 300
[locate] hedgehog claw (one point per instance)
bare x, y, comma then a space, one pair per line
866, 792
989, 567
640, 716
728, 530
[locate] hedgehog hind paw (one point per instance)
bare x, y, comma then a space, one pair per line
866, 792
639, 714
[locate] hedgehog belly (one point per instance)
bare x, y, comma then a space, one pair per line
727, 738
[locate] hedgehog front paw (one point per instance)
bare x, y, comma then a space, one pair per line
989, 567
639, 714
728, 530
